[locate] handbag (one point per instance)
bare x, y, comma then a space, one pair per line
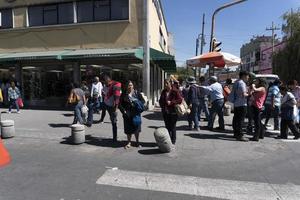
182, 109
137, 120
73, 98
20, 102
287, 113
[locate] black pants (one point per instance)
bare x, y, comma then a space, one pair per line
238, 120
113, 118
284, 125
259, 128
170, 123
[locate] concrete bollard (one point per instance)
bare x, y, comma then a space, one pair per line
227, 110
7, 129
163, 140
78, 134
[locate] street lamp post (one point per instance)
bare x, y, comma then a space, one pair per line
213, 19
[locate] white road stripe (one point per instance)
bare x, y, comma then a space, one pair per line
215, 188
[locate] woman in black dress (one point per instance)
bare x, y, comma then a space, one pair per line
129, 106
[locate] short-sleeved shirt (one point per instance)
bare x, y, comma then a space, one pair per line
239, 88
79, 92
215, 91
274, 92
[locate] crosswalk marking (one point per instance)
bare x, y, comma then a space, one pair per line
205, 187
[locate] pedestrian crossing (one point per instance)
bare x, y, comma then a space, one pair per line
197, 186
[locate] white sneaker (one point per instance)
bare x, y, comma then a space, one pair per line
18, 112
9, 112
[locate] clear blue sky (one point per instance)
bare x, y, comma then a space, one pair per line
234, 26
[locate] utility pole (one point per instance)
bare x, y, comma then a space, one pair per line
273, 29
202, 39
146, 48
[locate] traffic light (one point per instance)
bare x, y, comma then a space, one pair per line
216, 45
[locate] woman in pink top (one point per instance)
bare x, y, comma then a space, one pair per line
259, 92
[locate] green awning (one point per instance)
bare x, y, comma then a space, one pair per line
41, 55
163, 60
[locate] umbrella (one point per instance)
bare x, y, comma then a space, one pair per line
217, 59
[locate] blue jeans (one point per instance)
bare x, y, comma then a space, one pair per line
217, 108
93, 105
203, 106
13, 102
193, 117
269, 112
77, 113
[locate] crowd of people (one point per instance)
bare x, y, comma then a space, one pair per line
251, 98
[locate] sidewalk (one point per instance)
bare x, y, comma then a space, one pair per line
44, 166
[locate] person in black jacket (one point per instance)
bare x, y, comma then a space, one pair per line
193, 101
131, 113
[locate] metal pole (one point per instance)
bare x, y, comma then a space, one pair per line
146, 44
202, 40
213, 19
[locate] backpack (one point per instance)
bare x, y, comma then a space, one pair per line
139, 106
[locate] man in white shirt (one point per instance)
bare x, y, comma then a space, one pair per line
95, 100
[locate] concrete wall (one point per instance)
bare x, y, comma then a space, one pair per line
113, 34
155, 28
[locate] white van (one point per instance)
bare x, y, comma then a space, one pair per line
267, 77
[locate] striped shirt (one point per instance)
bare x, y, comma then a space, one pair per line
273, 92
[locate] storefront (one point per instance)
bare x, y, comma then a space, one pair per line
45, 78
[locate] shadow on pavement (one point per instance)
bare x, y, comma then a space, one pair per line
59, 125
150, 151
211, 136
154, 116
68, 114
103, 142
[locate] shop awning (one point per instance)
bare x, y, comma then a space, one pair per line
163, 60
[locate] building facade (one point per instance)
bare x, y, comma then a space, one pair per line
250, 53
45, 45
266, 58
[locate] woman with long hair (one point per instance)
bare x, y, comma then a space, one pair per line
169, 98
131, 102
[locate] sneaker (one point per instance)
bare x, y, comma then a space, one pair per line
220, 128
101, 122
18, 112
9, 112
242, 139
197, 129
254, 139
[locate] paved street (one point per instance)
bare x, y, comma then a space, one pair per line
205, 165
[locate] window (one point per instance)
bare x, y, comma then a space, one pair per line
119, 9
161, 39
85, 11
65, 13
102, 10
6, 19
35, 16
51, 14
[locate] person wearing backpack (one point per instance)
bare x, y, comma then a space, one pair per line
112, 100
288, 106
193, 103
131, 107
